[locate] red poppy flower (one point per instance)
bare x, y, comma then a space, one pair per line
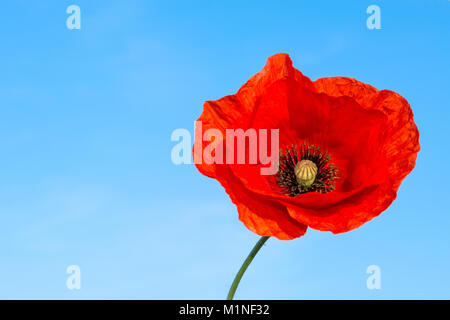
345, 148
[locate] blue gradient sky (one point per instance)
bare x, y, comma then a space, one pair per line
86, 177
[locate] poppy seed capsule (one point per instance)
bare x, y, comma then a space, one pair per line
306, 172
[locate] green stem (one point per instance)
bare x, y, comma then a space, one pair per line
244, 267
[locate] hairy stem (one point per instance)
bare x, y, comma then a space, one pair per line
244, 267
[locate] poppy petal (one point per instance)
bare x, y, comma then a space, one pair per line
263, 217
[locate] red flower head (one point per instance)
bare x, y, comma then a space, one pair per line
345, 148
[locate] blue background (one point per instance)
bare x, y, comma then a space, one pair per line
86, 177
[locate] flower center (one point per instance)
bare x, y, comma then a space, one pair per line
306, 172
306, 168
